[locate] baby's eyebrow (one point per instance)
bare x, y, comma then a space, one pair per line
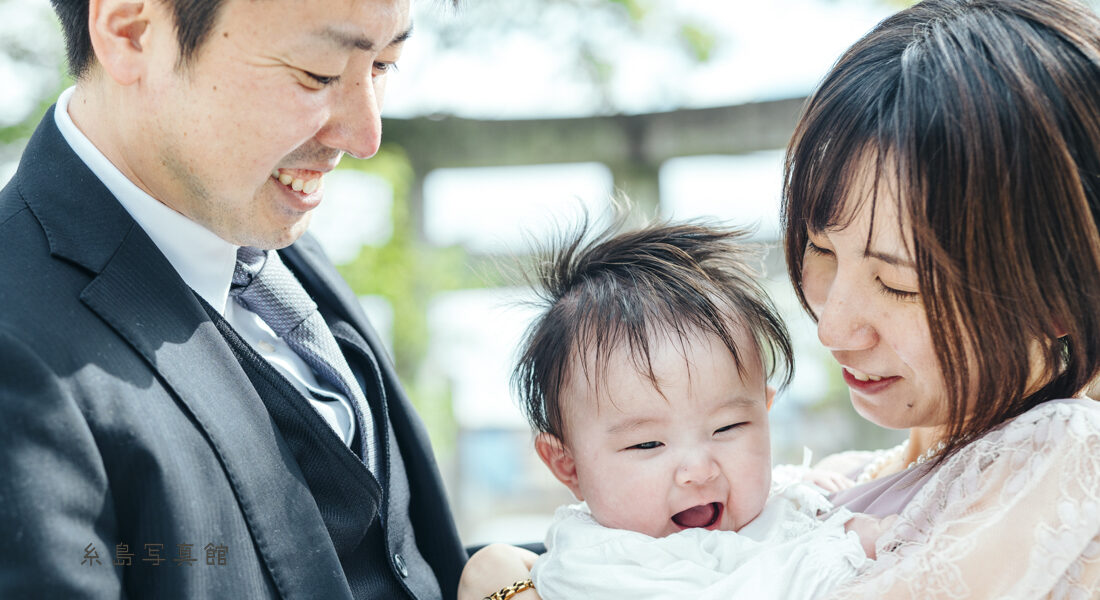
630, 425
739, 402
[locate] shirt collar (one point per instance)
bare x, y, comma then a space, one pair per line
202, 259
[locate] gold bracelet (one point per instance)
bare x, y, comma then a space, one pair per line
512, 590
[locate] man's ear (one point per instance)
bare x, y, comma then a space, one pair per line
117, 29
559, 460
770, 391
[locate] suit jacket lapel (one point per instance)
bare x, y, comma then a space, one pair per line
136, 291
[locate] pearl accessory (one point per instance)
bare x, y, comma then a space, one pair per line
893, 455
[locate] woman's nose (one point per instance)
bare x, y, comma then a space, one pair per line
843, 321
696, 468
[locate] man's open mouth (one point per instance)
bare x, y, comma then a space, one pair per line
704, 515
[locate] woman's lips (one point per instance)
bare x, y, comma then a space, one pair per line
867, 386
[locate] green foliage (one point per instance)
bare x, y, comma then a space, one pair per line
635, 8
699, 41
408, 273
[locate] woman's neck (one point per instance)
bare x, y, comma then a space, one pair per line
921, 441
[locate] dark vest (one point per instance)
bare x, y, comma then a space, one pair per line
367, 518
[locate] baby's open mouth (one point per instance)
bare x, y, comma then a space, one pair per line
704, 515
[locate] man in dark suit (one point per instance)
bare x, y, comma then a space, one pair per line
184, 411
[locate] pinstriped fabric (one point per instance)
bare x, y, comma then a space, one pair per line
263, 285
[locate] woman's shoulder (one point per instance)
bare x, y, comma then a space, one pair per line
1064, 421
1056, 443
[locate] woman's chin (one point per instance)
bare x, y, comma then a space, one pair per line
881, 415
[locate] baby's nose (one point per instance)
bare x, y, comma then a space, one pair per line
697, 468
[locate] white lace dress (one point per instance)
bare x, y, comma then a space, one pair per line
786, 553
1014, 515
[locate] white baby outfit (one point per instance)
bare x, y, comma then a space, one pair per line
786, 553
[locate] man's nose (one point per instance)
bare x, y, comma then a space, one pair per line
355, 123
696, 467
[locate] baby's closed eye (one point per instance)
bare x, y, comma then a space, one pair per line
730, 427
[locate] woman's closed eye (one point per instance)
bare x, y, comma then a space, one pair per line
812, 248
903, 295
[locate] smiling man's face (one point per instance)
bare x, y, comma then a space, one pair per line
239, 139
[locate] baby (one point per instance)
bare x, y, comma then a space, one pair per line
646, 381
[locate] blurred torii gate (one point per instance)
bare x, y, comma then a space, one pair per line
632, 146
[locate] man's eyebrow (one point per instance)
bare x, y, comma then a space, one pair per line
889, 259
347, 39
401, 37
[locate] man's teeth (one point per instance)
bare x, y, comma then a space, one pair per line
861, 376
296, 184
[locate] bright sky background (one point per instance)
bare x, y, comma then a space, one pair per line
766, 50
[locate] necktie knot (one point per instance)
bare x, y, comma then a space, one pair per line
265, 286
250, 261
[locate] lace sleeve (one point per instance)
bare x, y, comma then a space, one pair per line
1014, 515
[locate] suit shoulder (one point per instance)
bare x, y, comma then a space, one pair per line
11, 203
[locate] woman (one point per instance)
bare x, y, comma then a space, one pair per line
942, 214
942, 205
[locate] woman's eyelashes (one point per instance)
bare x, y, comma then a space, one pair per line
903, 295
812, 248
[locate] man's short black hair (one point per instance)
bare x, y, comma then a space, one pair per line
194, 20
623, 287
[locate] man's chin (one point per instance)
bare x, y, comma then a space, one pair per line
272, 238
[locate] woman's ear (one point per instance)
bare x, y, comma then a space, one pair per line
557, 457
117, 29
770, 391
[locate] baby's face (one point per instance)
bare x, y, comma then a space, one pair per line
699, 456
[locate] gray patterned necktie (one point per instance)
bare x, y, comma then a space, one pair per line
263, 285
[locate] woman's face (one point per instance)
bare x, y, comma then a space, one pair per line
871, 317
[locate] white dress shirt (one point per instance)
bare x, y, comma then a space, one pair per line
205, 262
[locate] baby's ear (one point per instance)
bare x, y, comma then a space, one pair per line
770, 391
559, 460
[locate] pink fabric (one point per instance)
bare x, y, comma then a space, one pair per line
884, 496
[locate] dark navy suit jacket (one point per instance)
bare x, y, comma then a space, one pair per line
125, 418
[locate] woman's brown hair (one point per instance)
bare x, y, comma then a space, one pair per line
987, 112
